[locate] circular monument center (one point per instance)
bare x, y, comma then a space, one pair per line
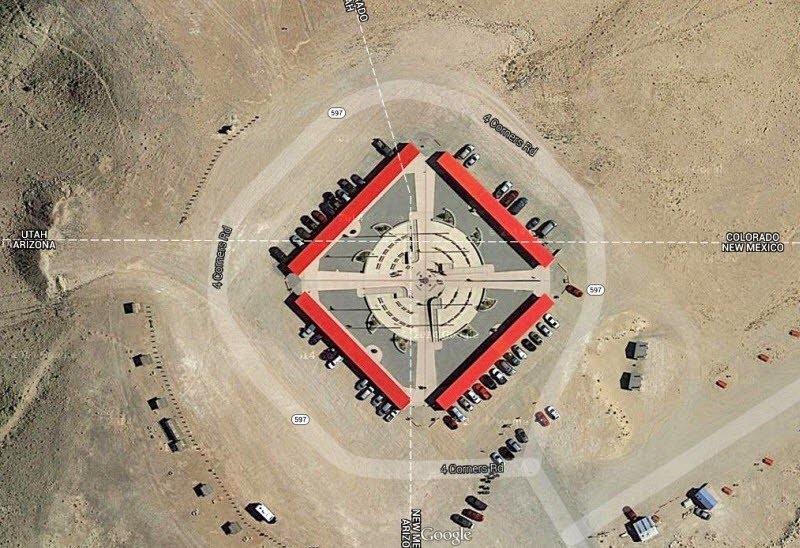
419, 294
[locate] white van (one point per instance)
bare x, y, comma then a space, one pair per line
265, 513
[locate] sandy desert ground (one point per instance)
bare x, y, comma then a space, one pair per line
659, 122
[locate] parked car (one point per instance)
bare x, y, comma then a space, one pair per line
327, 209
303, 233
377, 400
469, 162
308, 330
473, 396
296, 240
336, 204
505, 367
362, 383
543, 329
450, 422
315, 338
629, 513
481, 391
534, 336
365, 393
330, 364
476, 503
488, 382
574, 291
522, 437
551, 321
329, 354
328, 196
383, 409
512, 359
465, 404
347, 186
319, 217
496, 458
551, 412
508, 197
531, 224
389, 417
472, 514
513, 445
528, 344
277, 254
343, 196
517, 206
498, 376
458, 415
546, 228
518, 352
381, 147
464, 151
502, 188
458, 519
505, 453
309, 223
541, 418
357, 180
703, 514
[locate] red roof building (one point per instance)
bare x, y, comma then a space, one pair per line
471, 189
520, 322
352, 350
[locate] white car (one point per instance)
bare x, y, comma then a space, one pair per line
469, 162
496, 458
551, 412
473, 396
502, 188
456, 414
543, 329
464, 151
265, 513
519, 353
465, 405
551, 321
330, 364
308, 330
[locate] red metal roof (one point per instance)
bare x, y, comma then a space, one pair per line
455, 173
355, 353
526, 317
332, 231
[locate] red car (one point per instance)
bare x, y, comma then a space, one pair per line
481, 391
472, 514
542, 419
574, 291
508, 197
450, 422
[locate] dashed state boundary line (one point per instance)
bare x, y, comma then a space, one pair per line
187, 209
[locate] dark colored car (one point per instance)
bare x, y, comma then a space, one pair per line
542, 419
476, 503
451, 423
309, 223
574, 291
472, 514
488, 382
303, 233
327, 197
505, 453
546, 228
534, 336
277, 254
458, 519
508, 197
326, 208
315, 338
481, 391
512, 359
347, 186
329, 354
359, 182
319, 217
517, 206
528, 344
530, 225
382, 147
336, 204
505, 367
629, 513
522, 437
